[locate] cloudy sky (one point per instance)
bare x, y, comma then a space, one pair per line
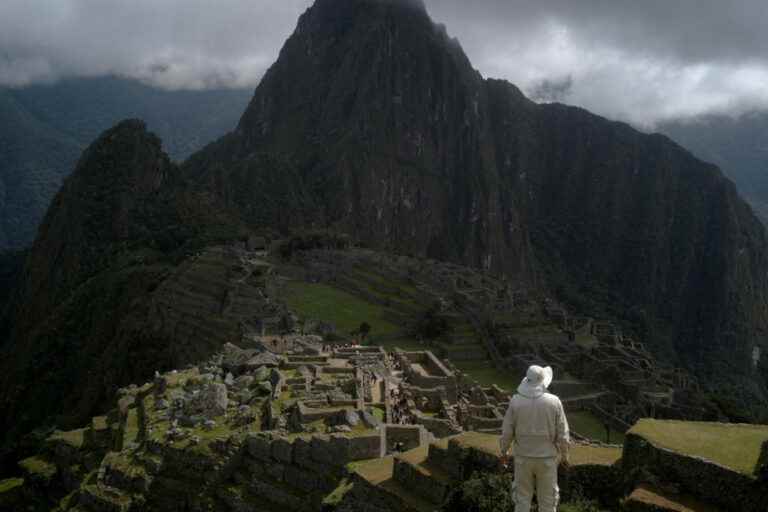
638, 60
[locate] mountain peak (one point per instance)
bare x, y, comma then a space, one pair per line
336, 5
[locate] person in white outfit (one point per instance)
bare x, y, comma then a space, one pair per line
536, 428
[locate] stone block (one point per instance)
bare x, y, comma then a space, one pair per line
322, 451
282, 450
366, 447
260, 447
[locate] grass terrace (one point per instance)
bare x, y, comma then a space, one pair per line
344, 310
73, 438
588, 425
9, 484
736, 446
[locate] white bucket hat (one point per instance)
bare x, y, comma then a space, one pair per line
536, 381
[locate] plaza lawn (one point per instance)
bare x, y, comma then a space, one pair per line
587, 425
735, 446
345, 311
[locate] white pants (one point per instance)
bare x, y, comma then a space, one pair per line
541, 475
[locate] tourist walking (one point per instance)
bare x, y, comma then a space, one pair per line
536, 429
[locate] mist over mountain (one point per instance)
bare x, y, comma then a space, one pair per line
44, 128
738, 145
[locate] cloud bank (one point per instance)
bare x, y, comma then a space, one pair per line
641, 61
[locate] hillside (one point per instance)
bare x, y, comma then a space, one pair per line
374, 123
738, 145
44, 129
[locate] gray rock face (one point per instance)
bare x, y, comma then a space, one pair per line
211, 401
263, 359
351, 418
243, 382
369, 419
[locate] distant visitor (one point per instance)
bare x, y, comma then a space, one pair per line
536, 429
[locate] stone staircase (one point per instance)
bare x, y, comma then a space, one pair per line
420, 480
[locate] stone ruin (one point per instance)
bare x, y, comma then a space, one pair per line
313, 426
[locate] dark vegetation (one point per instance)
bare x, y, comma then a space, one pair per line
431, 325
489, 492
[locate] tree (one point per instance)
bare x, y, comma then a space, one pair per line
431, 325
364, 330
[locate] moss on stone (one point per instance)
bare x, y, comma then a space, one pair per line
73, 438
10, 484
38, 467
337, 495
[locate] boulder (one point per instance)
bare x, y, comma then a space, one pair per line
369, 419
243, 382
211, 401
264, 388
263, 359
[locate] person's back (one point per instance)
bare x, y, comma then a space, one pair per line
536, 427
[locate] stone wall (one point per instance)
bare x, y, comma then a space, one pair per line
437, 426
438, 374
333, 450
411, 436
708, 480
761, 470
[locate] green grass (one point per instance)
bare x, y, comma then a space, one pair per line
73, 438
344, 310
335, 497
388, 283
38, 466
588, 425
10, 484
731, 445
132, 427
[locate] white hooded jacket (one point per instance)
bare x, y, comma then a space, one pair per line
535, 426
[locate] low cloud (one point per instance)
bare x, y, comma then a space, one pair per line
643, 62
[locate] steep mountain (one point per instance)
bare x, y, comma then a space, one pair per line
84, 319
44, 128
373, 122
738, 145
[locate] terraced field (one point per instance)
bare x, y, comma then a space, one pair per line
735, 446
341, 308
